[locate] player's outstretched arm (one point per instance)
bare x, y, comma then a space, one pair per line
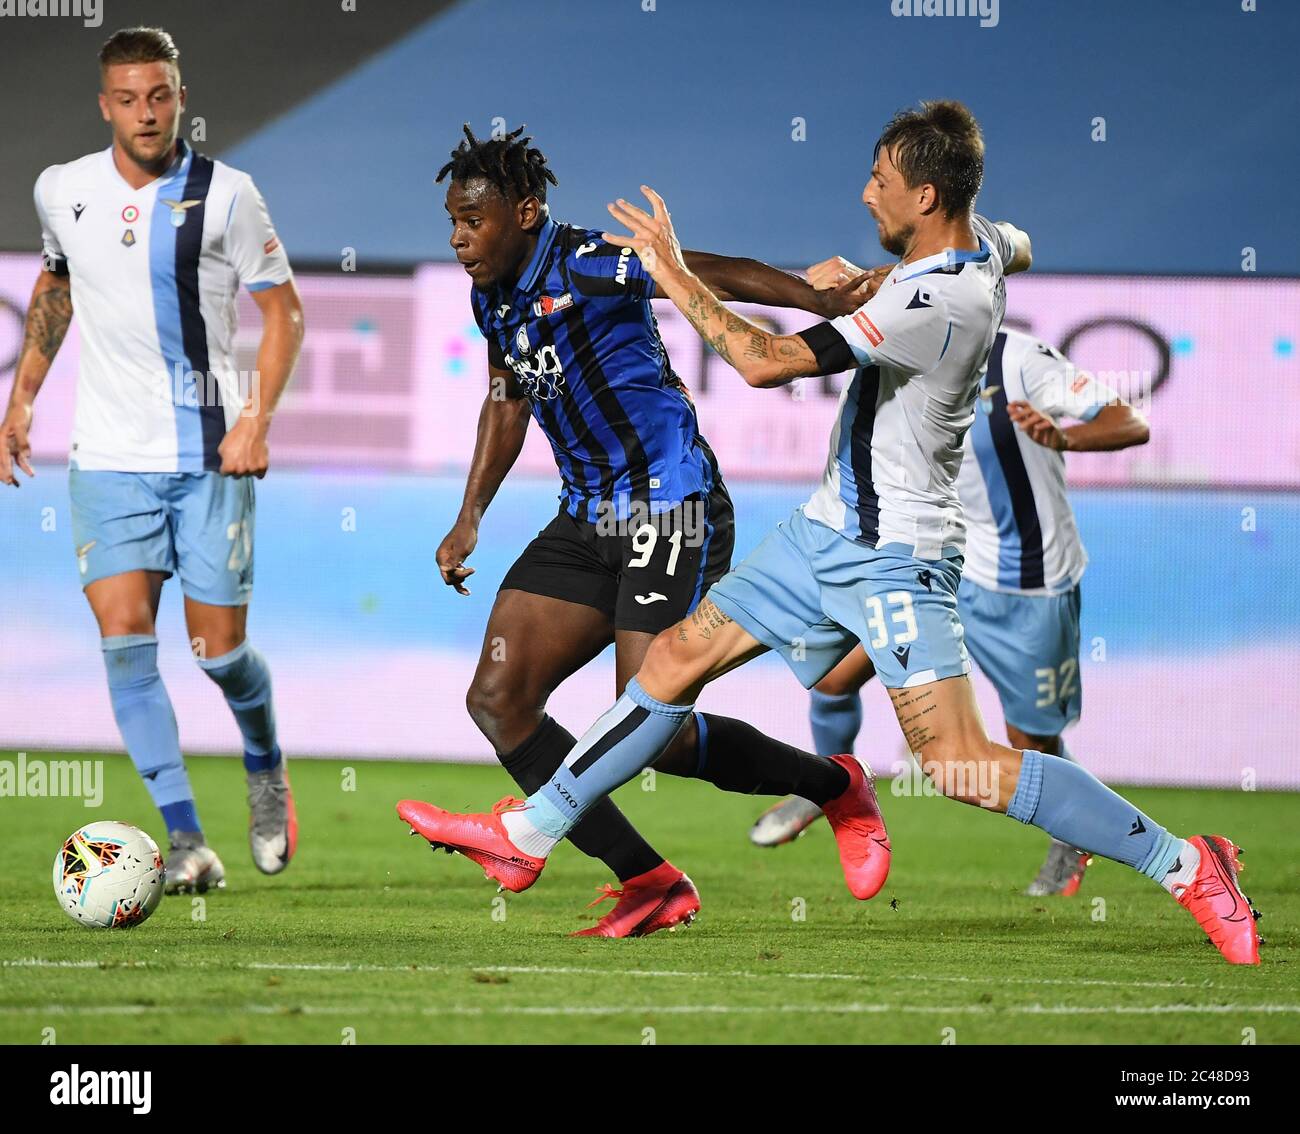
1116, 426
761, 358
752, 281
502, 427
48, 317
244, 450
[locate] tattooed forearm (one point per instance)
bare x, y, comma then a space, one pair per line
762, 358
711, 320
48, 319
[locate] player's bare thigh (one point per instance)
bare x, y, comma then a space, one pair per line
126, 603
532, 643
703, 646
214, 630
942, 725
849, 676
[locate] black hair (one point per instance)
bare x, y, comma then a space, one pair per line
941, 144
517, 169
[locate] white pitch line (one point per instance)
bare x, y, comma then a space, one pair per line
361, 1010
574, 970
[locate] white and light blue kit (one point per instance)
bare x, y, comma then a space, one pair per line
1019, 597
154, 274
876, 554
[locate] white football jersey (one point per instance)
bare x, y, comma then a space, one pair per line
920, 343
154, 274
1021, 534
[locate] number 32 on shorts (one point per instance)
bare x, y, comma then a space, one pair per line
896, 619
1052, 688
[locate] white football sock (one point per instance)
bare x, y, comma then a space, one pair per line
1188, 862
535, 843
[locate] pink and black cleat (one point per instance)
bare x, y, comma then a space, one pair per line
479, 837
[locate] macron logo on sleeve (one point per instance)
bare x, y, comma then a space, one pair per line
868, 328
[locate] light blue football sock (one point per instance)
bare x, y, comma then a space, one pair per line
835, 719
147, 722
629, 737
1072, 805
245, 679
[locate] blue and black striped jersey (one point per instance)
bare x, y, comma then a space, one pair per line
579, 334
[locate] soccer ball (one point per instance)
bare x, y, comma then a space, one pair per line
108, 875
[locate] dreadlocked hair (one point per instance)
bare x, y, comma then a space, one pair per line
517, 169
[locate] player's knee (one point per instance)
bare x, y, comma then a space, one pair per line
215, 645
491, 705
120, 625
125, 618
670, 663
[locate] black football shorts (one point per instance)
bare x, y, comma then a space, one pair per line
648, 572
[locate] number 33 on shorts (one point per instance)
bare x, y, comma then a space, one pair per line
913, 637
901, 624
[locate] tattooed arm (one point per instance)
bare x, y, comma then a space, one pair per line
48, 318
762, 359
752, 281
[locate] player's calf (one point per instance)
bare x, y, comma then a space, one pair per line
981, 774
943, 727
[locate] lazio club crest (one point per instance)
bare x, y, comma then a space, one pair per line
178, 209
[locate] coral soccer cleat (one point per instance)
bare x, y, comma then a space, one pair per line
662, 898
479, 837
860, 831
1217, 902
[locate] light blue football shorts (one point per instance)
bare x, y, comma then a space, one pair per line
195, 524
811, 594
1028, 647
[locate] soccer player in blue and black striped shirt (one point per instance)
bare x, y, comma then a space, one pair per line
645, 522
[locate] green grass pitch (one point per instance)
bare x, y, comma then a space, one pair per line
370, 937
